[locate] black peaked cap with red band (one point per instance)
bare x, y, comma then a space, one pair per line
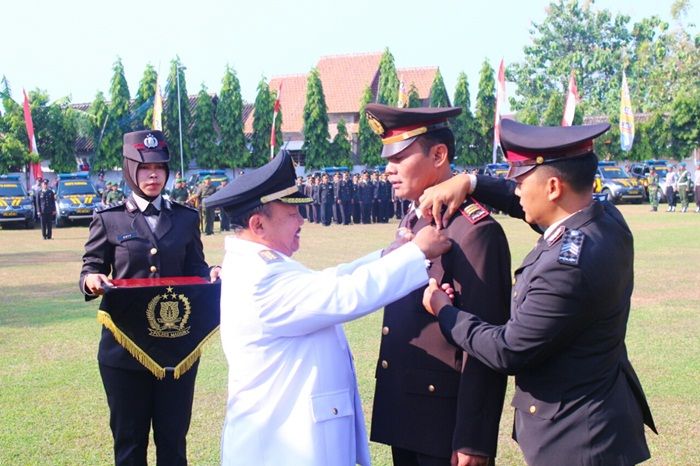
527, 147
399, 127
147, 146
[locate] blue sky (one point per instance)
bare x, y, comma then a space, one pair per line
68, 47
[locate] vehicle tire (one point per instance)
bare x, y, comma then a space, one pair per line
29, 224
608, 195
60, 222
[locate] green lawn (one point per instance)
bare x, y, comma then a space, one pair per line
52, 405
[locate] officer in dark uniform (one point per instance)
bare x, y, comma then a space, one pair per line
301, 187
374, 180
432, 403
316, 196
325, 196
577, 398
309, 192
343, 198
355, 199
143, 237
366, 195
46, 202
384, 197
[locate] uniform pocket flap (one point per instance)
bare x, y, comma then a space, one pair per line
432, 383
331, 405
527, 404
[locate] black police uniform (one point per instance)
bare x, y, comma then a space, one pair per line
577, 398
325, 196
122, 244
366, 195
46, 203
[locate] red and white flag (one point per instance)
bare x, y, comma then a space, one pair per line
158, 109
273, 137
572, 98
500, 103
34, 166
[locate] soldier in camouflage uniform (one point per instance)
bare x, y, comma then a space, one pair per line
653, 189
114, 195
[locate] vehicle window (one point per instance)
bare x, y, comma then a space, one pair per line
613, 172
11, 189
66, 188
661, 172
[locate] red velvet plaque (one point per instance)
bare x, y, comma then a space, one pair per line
161, 281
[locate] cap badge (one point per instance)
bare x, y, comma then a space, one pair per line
150, 141
539, 160
374, 124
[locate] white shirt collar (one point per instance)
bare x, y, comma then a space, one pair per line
142, 203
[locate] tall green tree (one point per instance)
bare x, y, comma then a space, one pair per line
262, 124
552, 115
99, 112
316, 144
340, 147
14, 153
684, 125
143, 103
413, 97
388, 90
229, 114
485, 113
171, 123
438, 93
370, 144
203, 136
118, 121
62, 134
464, 125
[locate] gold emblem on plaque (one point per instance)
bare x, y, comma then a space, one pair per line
374, 124
168, 314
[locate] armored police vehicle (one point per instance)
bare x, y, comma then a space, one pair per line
16, 205
76, 198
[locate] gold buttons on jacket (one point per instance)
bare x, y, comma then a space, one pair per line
514, 280
385, 364
154, 269
154, 251
515, 294
533, 409
334, 411
385, 331
431, 388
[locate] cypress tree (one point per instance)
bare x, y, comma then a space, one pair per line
438, 93
229, 113
262, 124
463, 126
118, 119
143, 103
413, 97
99, 111
316, 145
203, 137
171, 124
370, 144
340, 147
388, 91
485, 112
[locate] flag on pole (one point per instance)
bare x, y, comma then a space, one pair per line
500, 102
572, 98
273, 136
626, 117
35, 167
403, 96
158, 109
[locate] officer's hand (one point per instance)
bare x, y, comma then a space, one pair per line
463, 459
450, 193
432, 242
93, 283
214, 273
436, 297
403, 236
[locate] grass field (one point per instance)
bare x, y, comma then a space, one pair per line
52, 405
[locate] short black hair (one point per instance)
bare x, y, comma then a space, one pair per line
240, 221
441, 136
578, 172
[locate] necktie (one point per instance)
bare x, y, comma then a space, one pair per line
151, 211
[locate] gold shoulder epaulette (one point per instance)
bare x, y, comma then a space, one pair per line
473, 211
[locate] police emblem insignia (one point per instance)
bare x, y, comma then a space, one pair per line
571, 246
150, 141
270, 256
168, 321
375, 125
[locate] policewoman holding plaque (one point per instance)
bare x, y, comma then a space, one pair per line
144, 238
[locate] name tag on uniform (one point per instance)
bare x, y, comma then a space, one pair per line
127, 236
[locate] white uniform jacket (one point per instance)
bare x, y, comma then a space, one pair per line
293, 396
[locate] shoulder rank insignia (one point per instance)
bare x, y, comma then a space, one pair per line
270, 256
571, 246
474, 212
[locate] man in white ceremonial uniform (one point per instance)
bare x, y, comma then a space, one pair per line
293, 397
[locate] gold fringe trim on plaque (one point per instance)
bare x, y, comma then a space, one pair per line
158, 371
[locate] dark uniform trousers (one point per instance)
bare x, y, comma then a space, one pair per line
430, 398
120, 242
577, 398
46, 204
